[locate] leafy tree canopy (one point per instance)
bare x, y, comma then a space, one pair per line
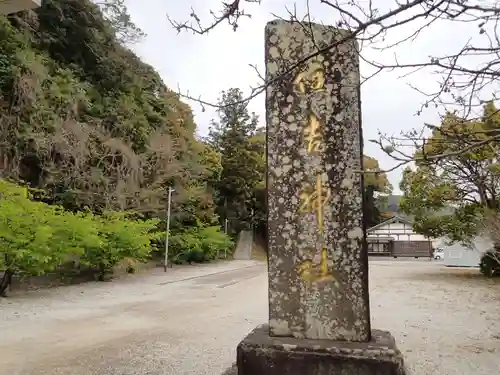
375, 181
241, 143
375, 176
454, 183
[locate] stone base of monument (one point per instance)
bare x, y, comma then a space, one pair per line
261, 354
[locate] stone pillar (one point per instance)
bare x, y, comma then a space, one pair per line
319, 316
318, 284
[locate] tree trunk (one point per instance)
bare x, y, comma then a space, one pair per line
5, 282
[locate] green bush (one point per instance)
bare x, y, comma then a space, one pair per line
120, 238
36, 238
195, 244
489, 265
213, 241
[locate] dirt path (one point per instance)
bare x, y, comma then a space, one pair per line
159, 324
189, 321
244, 248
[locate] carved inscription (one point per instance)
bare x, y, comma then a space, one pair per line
312, 273
311, 80
314, 197
312, 200
312, 134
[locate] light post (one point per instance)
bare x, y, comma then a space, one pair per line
170, 191
226, 222
225, 214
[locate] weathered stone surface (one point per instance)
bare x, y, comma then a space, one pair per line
261, 354
233, 370
318, 267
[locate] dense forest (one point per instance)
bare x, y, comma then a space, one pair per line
91, 140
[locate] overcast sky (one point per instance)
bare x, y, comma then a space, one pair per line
205, 65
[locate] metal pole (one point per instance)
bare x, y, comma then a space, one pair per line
226, 221
225, 214
170, 191
225, 231
253, 231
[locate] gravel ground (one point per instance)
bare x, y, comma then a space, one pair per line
189, 321
446, 321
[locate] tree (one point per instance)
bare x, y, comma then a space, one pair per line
36, 238
116, 12
375, 182
260, 199
448, 194
235, 137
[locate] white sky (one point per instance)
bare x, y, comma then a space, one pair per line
207, 64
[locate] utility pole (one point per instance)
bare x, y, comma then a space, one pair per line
253, 228
170, 191
226, 221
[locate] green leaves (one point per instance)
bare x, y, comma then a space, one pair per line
456, 178
36, 238
88, 122
242, 148
30, 233
199, 244
119, 238
375, 178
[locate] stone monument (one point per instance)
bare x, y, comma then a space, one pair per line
319, 316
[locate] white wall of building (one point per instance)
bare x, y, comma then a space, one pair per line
398, 231
460, 255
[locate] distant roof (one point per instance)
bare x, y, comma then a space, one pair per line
391, 220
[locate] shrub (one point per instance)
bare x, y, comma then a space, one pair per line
36, 238
213, 241
490, 263
195, 244
120, 238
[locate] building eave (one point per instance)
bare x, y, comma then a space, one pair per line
389, 221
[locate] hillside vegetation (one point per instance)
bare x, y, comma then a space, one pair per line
92, 131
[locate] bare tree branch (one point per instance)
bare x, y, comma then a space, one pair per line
463, 76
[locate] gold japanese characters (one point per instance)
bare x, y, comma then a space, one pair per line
314, 196
313, 199
312, 134
312, 273
312, 80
